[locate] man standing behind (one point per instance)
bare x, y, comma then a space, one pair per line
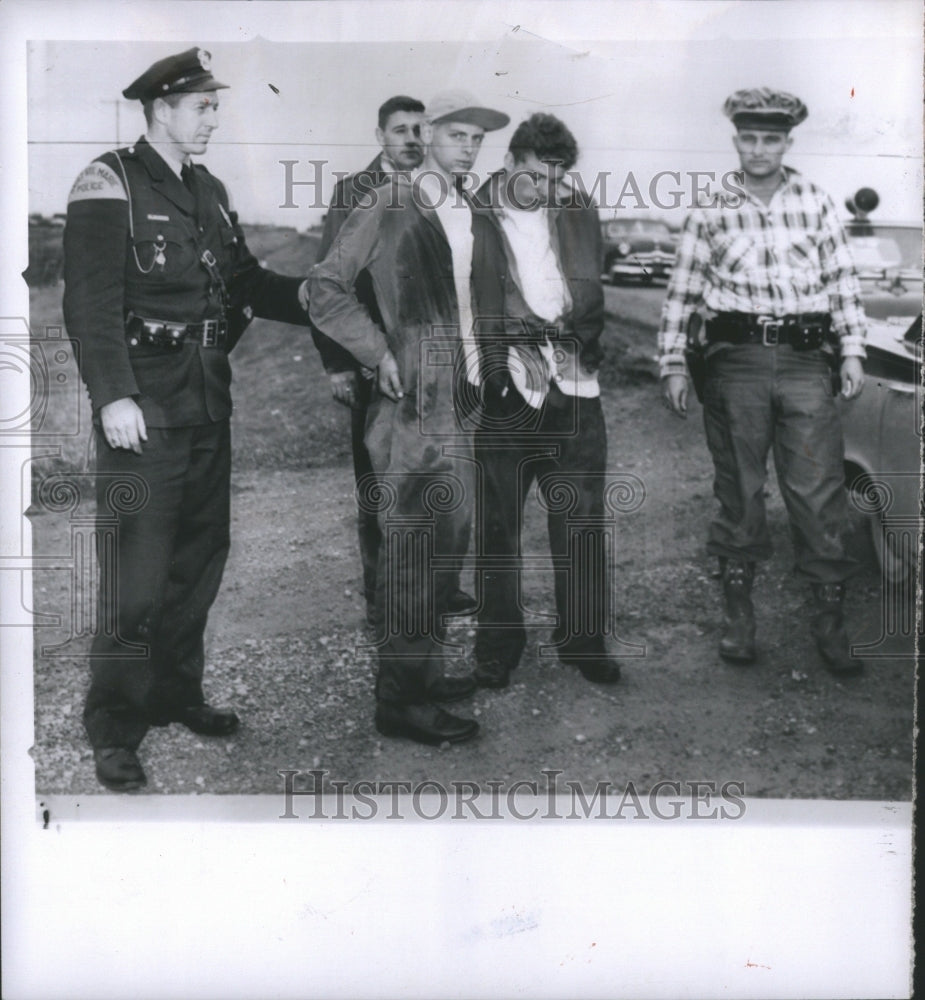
159, 284
772, 273
542, 418
399, 134
428, 259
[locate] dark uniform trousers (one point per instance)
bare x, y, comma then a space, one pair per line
758, 399
168, 562
564, 452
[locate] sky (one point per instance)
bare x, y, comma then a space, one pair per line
642, 96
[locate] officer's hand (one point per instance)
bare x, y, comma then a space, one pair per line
675, 392
388, 377
124, 424
852, 377
303, 295
344, 387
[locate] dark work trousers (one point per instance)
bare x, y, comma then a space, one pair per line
157, 586
425, 489
370, 537
563, 448
368, 530
757, 399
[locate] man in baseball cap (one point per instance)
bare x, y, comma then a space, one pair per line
433, 263
458, 123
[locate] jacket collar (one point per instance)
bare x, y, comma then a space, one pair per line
163, 179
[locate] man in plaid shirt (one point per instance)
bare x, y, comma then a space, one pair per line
765, 283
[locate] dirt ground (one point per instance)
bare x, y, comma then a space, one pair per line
287, 645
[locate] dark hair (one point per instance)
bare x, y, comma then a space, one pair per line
148, 106
399, 103
547, 138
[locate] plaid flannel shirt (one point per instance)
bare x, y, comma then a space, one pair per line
739, 255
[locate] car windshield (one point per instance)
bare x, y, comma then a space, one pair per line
878, 248
637, 227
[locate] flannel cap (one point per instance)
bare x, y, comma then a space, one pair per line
763, 108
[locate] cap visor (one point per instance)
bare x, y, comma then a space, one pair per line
482, 117
769, 122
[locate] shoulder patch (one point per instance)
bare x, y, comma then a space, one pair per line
97, 181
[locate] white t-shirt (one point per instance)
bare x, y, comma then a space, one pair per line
456, 219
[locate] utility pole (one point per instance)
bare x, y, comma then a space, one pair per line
117, 103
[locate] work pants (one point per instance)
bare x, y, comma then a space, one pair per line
563, 448
424, 482
759, 399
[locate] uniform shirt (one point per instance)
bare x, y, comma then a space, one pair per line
133, 244
740, 255
456, 218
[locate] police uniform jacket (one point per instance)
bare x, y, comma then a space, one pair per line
133, 244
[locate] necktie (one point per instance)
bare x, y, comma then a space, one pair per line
186, 175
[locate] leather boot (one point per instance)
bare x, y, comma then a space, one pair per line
737, 642
828, 629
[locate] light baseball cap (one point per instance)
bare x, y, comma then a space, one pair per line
463, 106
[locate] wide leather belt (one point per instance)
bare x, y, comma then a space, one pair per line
171, 335
804, 331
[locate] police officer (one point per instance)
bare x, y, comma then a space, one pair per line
159, 284
769, 270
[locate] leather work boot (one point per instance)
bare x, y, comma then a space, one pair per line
428, 724
828, 629
737, 643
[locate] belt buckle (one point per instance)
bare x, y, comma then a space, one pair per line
767, 324
210, 333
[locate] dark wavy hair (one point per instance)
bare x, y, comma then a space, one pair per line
398, 103
547, 138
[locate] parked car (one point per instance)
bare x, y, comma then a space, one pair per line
637, 248
883, 426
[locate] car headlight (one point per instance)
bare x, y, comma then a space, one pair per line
623, 248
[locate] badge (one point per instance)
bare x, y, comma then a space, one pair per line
160, 258
205, 59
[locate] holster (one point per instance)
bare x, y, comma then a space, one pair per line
695, 355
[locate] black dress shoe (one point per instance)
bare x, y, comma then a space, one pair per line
492, 674
207, 721
461, 603
597, 669
119, 769
452, 688
428, 724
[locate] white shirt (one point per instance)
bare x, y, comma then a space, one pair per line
456, 218
546, 292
